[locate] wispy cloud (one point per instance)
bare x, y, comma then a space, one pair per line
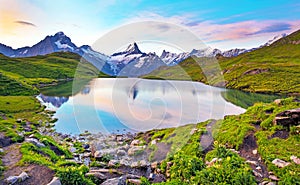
276, 27
25, 23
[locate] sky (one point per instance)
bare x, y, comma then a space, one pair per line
217, 23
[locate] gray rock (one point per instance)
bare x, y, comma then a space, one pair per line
295, 159
257, 174
280, 163
135, 150
23, 176
55, 181
134, 181
114, 181
113, 163
273, 177
121, 152
12, 179
1, 150
135, 142
35, 142
98, 175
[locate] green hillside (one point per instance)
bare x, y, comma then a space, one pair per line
271, 69
25, 76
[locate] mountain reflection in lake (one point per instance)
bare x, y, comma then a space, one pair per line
111, 105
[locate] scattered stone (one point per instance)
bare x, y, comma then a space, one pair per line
87, 154
254, 152
151, 176
98, 154
12, 179
119, 138
135, 142
86, 146
23, 176
55, 181
252, 162
209, 164
35, 142
114, 181
134, 181
154, 165
277, 101
295, 159
154, 142
105, 171
19, 120
98, 175
113, 163
233, 150
169, 164
288, 118
257, 174
72, 149
273, 177
258, 168
121, 152
143, 163
135, 150
193, 131
280, 163
1, 150
124, 162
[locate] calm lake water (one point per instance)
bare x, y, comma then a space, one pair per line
122, 105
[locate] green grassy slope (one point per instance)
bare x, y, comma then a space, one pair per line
22, 76
272, 69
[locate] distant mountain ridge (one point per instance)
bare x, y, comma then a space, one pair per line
130, 62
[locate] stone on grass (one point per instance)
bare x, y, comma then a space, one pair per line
55, 181
280, 163
295, 159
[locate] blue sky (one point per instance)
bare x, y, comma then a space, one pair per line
222, 24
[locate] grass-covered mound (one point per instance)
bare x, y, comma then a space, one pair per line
25, 76
270, 69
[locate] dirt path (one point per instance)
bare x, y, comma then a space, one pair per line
207, 140
248, 151
37, 174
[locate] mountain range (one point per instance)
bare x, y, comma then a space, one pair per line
130, 62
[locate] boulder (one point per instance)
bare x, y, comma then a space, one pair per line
273, 177
257, 174
12, 179
154, 165
254, 152
295, 159
135, 142
277, 101
113, 181
280, 163
135, 150
98, 154
288, 117
121, 152
23, 176
98, 175
113, 163
55, 181
134, 181
35, 142
1, 150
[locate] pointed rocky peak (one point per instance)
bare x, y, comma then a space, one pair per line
130, 50
133, 49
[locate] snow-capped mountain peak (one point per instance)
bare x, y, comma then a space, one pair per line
277, 37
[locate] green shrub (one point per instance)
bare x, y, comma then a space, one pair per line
74, 175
